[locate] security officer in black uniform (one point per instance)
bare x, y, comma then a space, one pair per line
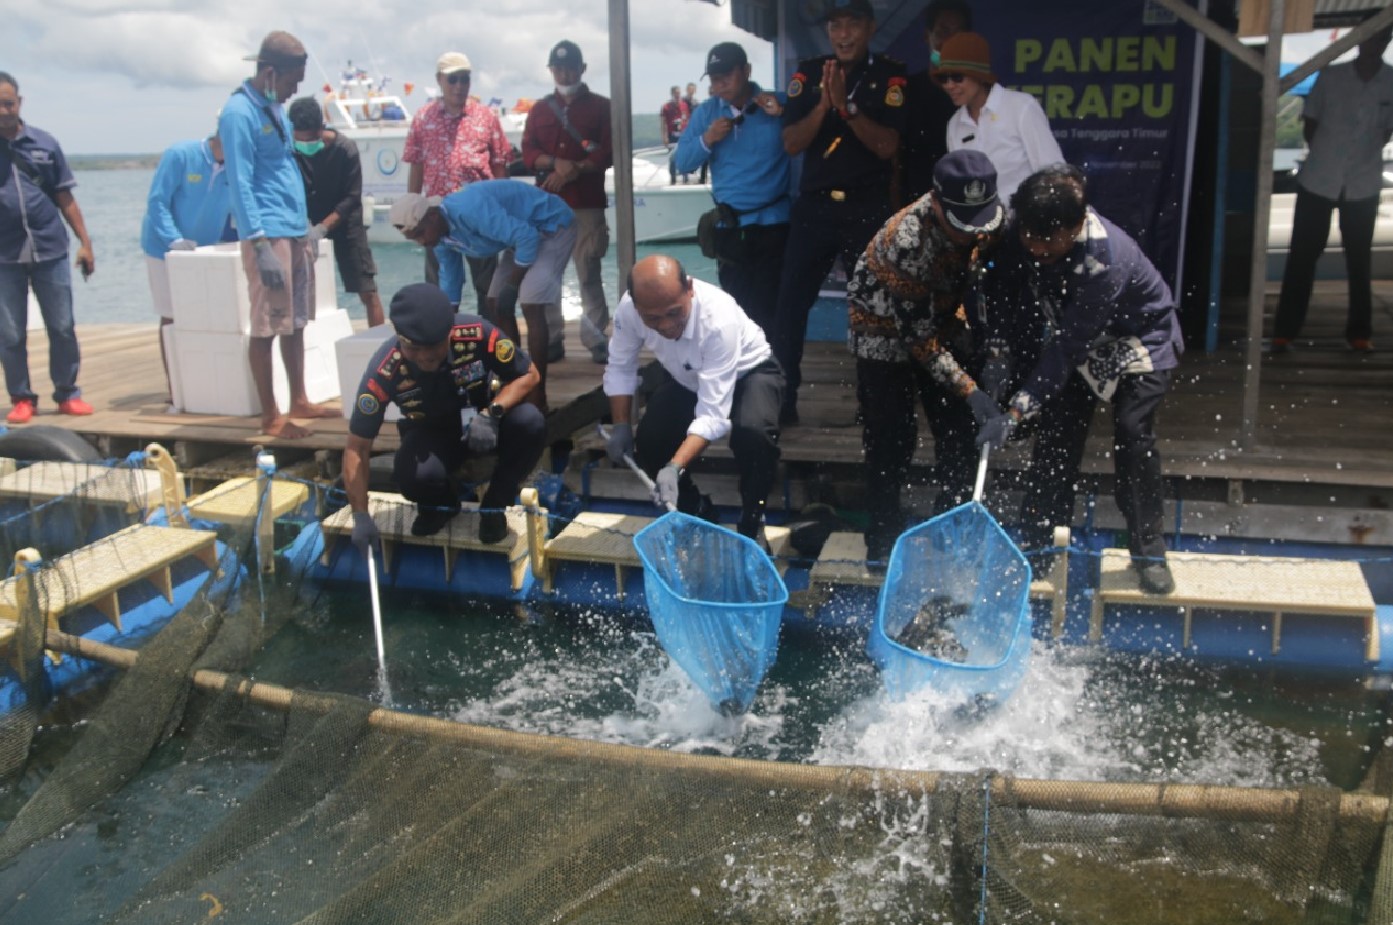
437, 371
845, 112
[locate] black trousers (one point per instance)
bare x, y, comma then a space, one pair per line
751, 263
820, 230
754, 433
1059, 445
1310, 230
429, 456
480, 276
888, 393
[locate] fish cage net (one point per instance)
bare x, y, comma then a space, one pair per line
191, 792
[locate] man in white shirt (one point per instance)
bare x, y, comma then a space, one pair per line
1008, 126
1348, 118
721, 379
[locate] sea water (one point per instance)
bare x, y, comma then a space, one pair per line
113, 205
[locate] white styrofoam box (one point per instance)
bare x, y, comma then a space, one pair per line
208, 287
353, 354
215, 376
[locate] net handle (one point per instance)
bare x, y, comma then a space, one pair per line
981, 473
633, 466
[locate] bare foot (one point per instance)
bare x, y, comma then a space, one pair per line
308, 410
281, 426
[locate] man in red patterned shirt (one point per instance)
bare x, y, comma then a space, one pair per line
674, 116
454, 141
567, 144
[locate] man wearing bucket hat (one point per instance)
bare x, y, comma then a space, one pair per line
268, 202
531, 232
738, 132
844, 115
1007, 126
438, 371
1075, 312
907, 301
566, 142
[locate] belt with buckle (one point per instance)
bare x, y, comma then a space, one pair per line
837, 195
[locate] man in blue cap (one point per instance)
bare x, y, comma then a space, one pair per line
438, 371
907, 302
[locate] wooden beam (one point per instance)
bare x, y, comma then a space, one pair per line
1214, 32
1338, 47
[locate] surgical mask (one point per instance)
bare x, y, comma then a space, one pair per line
309, 148
271, 89
568, 89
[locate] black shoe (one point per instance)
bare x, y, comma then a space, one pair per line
556, 353
788, 415
752, 525
431, 520
1155, 575
493, 527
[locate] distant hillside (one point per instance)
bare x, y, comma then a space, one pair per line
112, 161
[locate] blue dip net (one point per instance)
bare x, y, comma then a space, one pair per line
716, 601
954, 611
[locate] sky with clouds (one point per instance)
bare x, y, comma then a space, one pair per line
133, 76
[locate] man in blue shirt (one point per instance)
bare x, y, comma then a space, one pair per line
188, 206
35, 197
530, 230
737, 130
268, 201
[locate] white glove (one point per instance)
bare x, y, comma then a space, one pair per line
183, 244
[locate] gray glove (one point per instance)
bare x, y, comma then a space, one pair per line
183, 244
996, 375
365, 532
482, 435
983, 406
996, 431
665, 486
316, 234
269, 266
620, 443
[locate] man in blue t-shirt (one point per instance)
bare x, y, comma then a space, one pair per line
35, 198
189, 206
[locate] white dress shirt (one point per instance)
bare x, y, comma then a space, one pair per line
1353, 118
1012, 132
719, 345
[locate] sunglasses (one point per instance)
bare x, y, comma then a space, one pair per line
750, 109
457, 78
950, 78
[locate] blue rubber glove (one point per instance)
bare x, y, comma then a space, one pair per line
665, 486
996, 432
269, 266
183, 244
620, 443
983, 406
482, 435
365, 532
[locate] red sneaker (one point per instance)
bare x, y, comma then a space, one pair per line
22, 412
1362, 345
74, 406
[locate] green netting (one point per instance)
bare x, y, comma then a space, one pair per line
193, 795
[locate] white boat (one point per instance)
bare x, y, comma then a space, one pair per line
378, 121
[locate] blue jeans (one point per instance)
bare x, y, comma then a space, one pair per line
53, 287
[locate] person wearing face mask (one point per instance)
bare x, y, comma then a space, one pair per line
189, 206
566, 143
454, 141
1007, 126
437, 370
333, 178
268, 201
927, 106
1075, 312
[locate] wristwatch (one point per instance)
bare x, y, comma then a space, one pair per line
850, 112
496, 411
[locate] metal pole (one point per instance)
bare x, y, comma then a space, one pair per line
1262, 213
622, 136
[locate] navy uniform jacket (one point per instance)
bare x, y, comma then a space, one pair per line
478, 350
837, 159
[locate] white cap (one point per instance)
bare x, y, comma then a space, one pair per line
452, 61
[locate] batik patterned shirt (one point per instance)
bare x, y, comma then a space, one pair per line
455, 150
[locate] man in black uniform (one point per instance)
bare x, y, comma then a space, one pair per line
333, 177
927, 106
846, 111
437, 370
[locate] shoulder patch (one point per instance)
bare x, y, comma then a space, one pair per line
894, 95
368, 404
795, 86
503, 350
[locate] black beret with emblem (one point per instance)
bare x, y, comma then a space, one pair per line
422, 314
